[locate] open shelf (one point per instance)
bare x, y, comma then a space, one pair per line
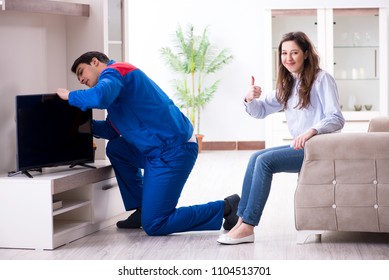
64, 226
70, 205
46, 7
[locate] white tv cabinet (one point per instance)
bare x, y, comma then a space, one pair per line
90, 201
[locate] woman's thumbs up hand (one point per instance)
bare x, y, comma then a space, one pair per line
253, 92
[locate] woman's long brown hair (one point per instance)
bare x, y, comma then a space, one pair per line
311, 67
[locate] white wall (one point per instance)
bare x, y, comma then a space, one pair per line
36, 52
29, 45
232, 25
237, 25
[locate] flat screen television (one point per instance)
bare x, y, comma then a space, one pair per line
50, 132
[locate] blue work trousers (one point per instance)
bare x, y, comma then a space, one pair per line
159, 187
259, 175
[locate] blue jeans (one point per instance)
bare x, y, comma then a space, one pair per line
157, 190
258, 178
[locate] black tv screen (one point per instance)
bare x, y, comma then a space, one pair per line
50, 132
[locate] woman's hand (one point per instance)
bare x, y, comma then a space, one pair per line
299, 142
63, 93
253, 92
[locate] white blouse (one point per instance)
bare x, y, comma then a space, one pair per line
323, 113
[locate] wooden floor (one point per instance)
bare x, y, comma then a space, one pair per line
216, 175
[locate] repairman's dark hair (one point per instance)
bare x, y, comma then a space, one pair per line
87, 59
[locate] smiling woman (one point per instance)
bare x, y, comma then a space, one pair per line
292, 57
299, 92
297, 54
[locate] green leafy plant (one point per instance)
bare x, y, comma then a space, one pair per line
194, 58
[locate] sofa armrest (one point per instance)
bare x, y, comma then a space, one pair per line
358, 145
379, 124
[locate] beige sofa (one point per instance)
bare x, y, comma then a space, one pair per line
344, 182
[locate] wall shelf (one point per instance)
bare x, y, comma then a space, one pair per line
46, 7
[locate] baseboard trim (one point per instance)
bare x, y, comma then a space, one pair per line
233, 145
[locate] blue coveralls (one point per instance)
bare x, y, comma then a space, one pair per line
147, 131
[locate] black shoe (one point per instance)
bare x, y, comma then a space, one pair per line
230, 218
133, 221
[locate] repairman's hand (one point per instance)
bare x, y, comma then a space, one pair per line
63, 93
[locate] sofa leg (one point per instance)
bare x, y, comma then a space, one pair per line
303, 235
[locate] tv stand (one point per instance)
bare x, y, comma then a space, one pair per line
25, 172
90, 199
82, 164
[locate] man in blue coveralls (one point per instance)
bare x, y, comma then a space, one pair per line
146, 131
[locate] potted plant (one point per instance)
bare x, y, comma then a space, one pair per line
194, 58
